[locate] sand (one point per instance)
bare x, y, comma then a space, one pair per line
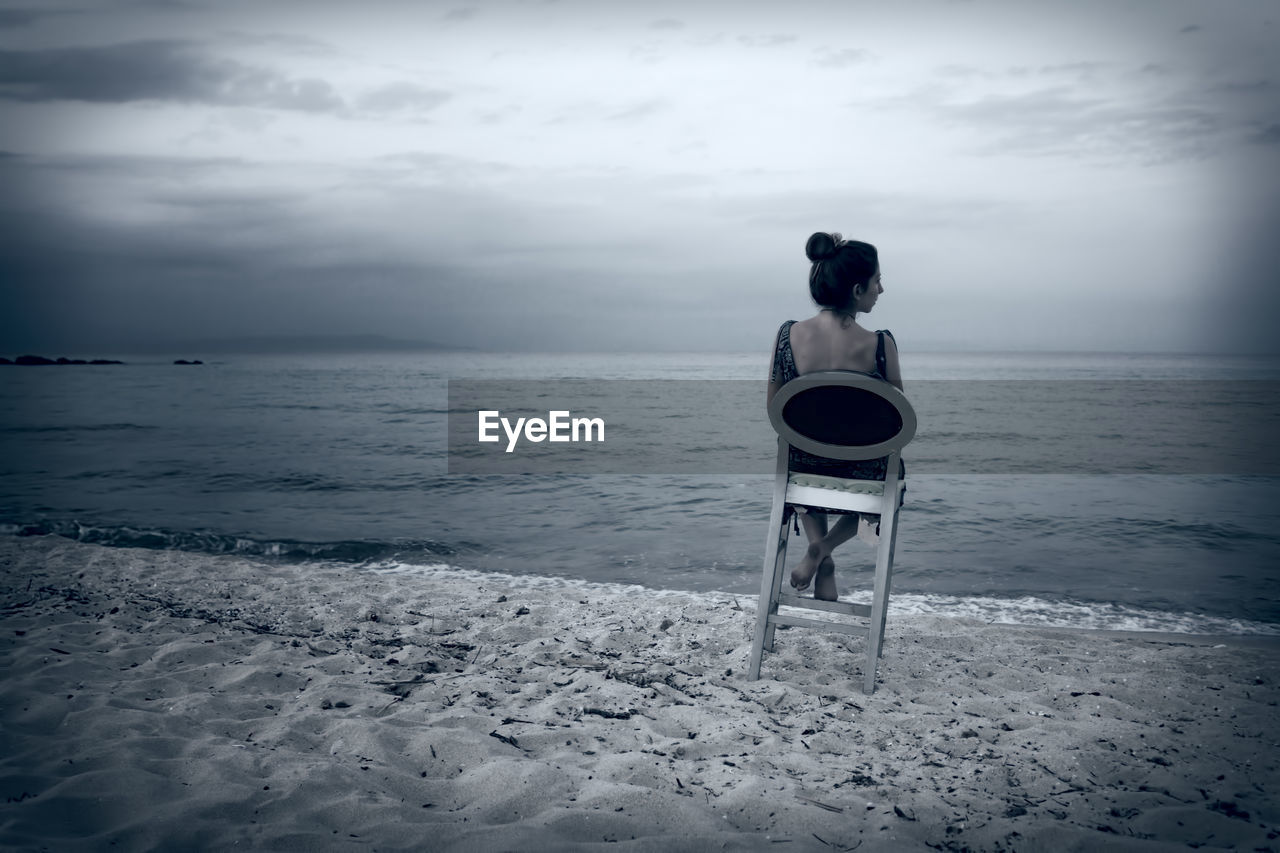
158, 700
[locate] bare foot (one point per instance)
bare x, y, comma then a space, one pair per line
824, 588
803, 574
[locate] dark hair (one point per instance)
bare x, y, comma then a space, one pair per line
838, 266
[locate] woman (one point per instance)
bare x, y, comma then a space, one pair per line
844, 281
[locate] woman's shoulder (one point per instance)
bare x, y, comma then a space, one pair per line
886, 340
886, 343
808, 326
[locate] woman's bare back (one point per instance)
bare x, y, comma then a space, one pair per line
831, 341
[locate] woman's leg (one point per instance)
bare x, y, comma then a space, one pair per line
815, 527
821, 543
824, 583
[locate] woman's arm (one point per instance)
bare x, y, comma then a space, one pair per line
893, 372
775, 371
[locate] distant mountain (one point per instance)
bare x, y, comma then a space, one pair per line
40, 360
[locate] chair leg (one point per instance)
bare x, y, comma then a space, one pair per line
888, 580
774, 548
775, 545
875, 632
779, 567
884, 573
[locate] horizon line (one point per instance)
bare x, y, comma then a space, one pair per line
283, 348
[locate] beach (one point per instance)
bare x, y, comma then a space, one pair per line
162, 699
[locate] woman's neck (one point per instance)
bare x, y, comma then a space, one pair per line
844, 315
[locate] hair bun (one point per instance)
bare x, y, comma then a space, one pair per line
822, 246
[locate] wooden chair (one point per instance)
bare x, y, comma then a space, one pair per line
838, 414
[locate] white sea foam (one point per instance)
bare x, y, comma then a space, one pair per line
1026, 610
532, 581
1099, 616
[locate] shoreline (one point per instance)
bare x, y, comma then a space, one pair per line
1048, 612
160, 699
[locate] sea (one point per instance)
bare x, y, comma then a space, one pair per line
346, 459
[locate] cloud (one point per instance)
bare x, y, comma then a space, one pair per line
1140, 113
842, 58
13, 18
113, 252
643, 109
774, 40
435, 166
1269, 135
1079, 72
417, 246
1061, 122
667, 24
159, 70
1076, 121
804, 211
283, 43
402, 97
1243, 87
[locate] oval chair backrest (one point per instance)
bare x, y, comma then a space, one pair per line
843, 414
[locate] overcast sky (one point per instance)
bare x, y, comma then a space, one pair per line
636, 176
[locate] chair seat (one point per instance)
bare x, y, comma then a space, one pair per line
822, 481
819, 490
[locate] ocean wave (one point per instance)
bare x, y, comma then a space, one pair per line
346, 551
1066, 613
1028, 611
43, 428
